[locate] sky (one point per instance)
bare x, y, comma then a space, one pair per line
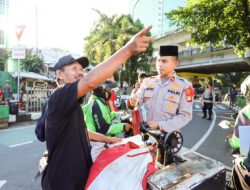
60, 23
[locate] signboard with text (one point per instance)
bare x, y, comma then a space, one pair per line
18, 52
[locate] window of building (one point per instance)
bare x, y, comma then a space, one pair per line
2, 7
1, 37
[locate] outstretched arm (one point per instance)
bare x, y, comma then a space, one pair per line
103, 71
102, 138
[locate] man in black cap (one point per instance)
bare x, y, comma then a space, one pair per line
67, 141
168, 99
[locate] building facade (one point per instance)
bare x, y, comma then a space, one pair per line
192, 59
4, 4
152, 12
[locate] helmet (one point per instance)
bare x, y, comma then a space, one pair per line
245, 88
102, 91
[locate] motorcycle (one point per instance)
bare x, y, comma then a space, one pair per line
218, 98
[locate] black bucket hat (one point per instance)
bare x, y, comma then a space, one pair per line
68, 59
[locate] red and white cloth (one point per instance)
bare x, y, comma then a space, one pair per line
123, 167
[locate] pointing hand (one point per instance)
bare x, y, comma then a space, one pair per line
139, 42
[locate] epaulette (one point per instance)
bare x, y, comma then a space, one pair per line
150, 79
180, 78
183, 79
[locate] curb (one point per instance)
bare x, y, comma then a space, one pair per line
32, 116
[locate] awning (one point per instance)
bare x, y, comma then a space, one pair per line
31, 75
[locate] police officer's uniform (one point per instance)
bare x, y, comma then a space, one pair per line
169, 104
207, 103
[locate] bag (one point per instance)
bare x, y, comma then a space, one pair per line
136, 121
42, 165
40, 125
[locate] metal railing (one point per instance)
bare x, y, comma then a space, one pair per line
34, 99
198, 51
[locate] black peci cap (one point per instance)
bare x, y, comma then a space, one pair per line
68, 59
168, 51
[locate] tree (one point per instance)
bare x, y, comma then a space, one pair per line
32, 63
108, 35
220, 22
3, 58
232, 79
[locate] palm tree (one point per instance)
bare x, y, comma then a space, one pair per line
110, 34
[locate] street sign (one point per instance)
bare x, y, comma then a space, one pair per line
19, 31
18, 52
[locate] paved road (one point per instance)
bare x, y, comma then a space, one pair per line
206, 137
20, 151
19, 155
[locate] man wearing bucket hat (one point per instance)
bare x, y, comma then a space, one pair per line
168, 99
67, 141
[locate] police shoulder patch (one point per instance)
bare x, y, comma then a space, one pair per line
189, 92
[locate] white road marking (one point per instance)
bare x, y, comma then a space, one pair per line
199, 143
18, 128
197, 106
2, 182
221, 107
15, 145
215, 108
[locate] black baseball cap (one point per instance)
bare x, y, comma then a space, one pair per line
68, 59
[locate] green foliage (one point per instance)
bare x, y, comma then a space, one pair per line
32, 63
220, 22
108, 35
232, 79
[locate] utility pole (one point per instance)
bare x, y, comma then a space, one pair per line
36, 17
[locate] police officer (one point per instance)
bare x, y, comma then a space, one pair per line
168, 99
208, 99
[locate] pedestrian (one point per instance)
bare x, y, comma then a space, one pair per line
138, 83
1, 95
233, 96
168, 99
7, 91
207, 100
112, 101
67, 141
132, 99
